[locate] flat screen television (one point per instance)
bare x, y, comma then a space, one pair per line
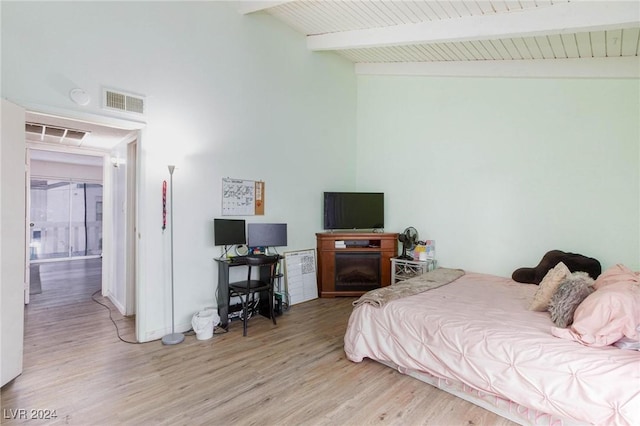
267, 234
353, 210
228, 232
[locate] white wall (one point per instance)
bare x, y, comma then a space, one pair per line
499, 171
228, 96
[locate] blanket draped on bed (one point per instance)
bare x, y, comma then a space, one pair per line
428, 281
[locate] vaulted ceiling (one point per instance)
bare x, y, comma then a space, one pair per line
581, 38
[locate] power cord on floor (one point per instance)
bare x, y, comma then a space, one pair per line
112, 320
191, 332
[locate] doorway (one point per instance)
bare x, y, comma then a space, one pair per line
75, 180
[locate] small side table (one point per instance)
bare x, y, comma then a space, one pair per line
402, 269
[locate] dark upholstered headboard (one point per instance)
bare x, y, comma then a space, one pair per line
575, 262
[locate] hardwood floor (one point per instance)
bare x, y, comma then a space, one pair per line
294, 373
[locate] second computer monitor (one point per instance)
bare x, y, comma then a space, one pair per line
267, 234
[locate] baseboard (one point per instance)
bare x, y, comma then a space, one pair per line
119, 306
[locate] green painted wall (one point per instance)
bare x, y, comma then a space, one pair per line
499, 171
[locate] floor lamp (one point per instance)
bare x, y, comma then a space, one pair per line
173, 338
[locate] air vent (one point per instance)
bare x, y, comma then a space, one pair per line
53, 134
125, 102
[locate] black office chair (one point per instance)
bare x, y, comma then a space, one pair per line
248, 288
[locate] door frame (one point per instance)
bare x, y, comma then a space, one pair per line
108, 259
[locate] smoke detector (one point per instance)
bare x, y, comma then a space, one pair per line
80, 96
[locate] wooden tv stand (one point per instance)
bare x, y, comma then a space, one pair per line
383, 243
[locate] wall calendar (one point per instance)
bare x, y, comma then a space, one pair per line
242, 197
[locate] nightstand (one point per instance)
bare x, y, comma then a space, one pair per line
402, 269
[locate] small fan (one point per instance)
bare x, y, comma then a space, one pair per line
408, 239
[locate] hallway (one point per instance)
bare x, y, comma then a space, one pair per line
64, 282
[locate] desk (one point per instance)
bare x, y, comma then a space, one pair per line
223, 289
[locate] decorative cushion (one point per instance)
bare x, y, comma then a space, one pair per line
575, 262
570, 293
548, 287
608, 314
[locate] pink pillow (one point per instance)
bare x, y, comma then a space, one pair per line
615, 274
606, 315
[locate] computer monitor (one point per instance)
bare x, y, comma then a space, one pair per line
227, 232
267, 234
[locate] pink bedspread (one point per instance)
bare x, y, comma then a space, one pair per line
477, 330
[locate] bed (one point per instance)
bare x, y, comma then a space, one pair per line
476, 338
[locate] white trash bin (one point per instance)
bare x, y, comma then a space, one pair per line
203, 323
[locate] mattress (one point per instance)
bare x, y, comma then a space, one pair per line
477, 331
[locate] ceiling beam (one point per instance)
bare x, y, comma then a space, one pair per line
563, 18
627, 67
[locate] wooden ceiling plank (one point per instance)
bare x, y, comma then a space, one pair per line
560, 18
511, 49
432, 53
584, 45
410, 14
443, 50
322, 19
482, 50
334, 14
630, 38
533, 47
489, 47
458, 50
499, 46
485, 7
351, 18
360, 55
473, 8
471, 49
246, 7
426, 10
570, 44
526, 4
298, 21
461, 8
415, 52
394, 12
499, 6
556, 45
522, 47
545, 47
598, 44
614, 43
449, 10
442, 13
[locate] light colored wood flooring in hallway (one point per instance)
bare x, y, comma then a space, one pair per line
294, 373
